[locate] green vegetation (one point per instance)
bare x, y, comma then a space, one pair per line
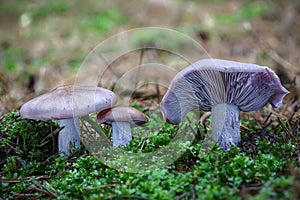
32, 167
25, 144
48, 8
57, 35
103, 21
246, 12
12, 60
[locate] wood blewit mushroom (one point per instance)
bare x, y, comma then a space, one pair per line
121, 119
67, 104
225, 88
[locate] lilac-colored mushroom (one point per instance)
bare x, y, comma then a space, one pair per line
225, 88
121, 119
67, 104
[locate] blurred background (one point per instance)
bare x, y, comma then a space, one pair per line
43, 42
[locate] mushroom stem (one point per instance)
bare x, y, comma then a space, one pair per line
69, 136
121, 133
226, 125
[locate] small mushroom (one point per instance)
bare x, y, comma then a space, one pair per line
121, 119
225, 88
67, 104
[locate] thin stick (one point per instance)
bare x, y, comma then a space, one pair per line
22, 196
129, 197
157, 92
96, 127
190, 122
100, 187
42, 189
174, 189
50, 186
10, 180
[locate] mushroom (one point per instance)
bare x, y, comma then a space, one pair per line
67, 104
225, 88
121, 119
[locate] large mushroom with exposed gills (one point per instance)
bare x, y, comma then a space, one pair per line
225, 88
66, 104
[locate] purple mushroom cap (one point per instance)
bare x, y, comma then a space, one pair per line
122, 119
66, 104
68, 101
212, 81
225, 88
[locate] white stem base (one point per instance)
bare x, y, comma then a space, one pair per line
226, 125
121, 133
69, 136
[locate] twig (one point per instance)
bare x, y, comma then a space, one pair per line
296, 109
194, 191
204, 117
279, 115
142, 143
96, 127
38, 189
27, 179
286, 130
157, 92
183, 195
53, 138
18, 158
22, 196
52, 134
247, 188
129, 197
100, 187
50, 186
205, 129
265, 122
54, 155
194, 133
42, 177
11, 146
174, 189
42, 189
10, 180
